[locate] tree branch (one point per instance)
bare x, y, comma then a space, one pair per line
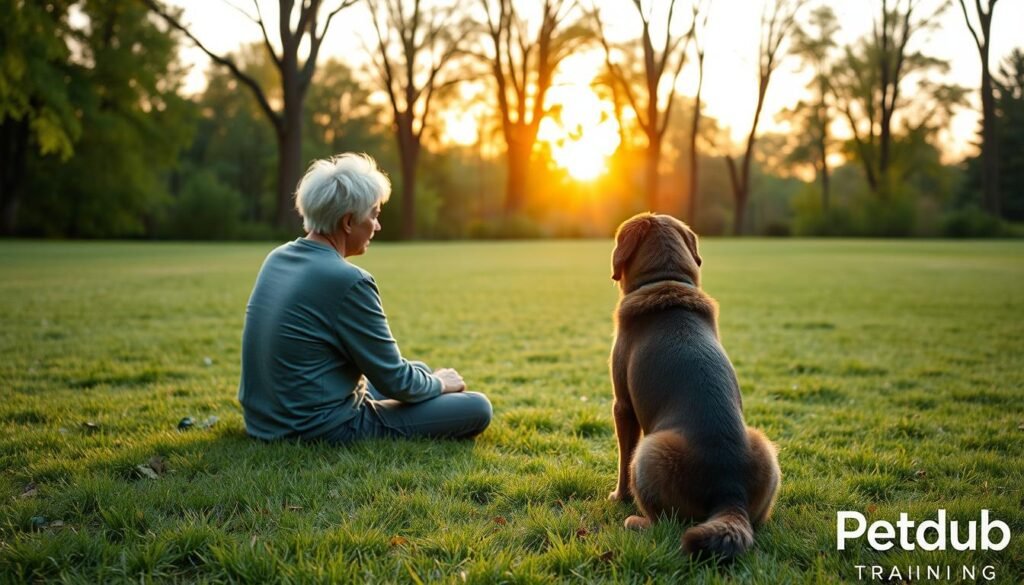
275, 118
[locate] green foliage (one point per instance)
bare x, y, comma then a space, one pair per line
857, 357
33, 69
234, 139
971, 222
133, 126
205, 209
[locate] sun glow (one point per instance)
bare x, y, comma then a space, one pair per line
582, 131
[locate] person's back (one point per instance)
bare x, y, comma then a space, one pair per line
293, 382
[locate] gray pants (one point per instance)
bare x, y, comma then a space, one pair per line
455, 416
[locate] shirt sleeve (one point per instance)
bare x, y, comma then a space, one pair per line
364, 333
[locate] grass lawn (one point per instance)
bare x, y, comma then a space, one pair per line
890, 373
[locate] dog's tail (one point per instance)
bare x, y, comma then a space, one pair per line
727, 533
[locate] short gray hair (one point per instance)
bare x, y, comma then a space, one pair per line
332, 187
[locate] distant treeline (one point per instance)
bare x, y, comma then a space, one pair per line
98, 140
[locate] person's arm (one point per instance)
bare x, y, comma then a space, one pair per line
364, 332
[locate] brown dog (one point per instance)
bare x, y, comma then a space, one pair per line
673, 382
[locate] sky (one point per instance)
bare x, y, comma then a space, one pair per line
731, 56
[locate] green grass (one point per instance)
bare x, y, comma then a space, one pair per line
891, 374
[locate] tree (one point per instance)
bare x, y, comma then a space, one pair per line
700, 24
415, 45
1008, 86
776, 24
982, 35
123, 80
867, 85
232, 140
523, 64
1009, 111
641, 85
812, 119
339, 112
36, 110
304, 38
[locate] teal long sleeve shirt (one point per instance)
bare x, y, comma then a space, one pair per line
314, 325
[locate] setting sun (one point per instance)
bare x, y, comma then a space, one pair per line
583, 131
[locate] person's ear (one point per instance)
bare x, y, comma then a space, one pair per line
346, 223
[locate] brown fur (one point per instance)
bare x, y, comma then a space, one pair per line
675, 387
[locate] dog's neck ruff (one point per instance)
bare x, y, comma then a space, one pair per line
684, 280
659, 295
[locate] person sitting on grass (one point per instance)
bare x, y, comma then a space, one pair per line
318, 358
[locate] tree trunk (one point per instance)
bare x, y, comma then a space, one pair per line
740, 192
823, 155
289, 160
14, 142
739, 212
519, 150
691, 215
884, 146
653, 155
989, 143
289, 172
825, 196
409, 154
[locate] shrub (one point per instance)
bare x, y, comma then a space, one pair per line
971, 222
206, 210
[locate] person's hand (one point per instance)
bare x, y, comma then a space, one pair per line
451, 381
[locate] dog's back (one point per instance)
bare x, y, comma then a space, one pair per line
680, 380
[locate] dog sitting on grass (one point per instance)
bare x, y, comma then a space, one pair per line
674, 383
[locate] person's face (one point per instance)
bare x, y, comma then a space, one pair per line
361, 232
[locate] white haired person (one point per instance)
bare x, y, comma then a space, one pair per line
315, 330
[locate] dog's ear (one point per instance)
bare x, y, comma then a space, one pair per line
627, 240
691, 241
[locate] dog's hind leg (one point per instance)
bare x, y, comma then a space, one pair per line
661, 470
764, 476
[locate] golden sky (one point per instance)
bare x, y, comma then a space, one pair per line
730, 69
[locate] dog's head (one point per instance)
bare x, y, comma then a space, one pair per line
651, 247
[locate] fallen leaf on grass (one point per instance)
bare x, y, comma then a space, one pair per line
399, 541
30, 490
500, 520
872, 509
920, 473
582, 532
146, 471
292, 507
607, 556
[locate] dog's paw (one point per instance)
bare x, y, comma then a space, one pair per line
637, 523
620, 496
